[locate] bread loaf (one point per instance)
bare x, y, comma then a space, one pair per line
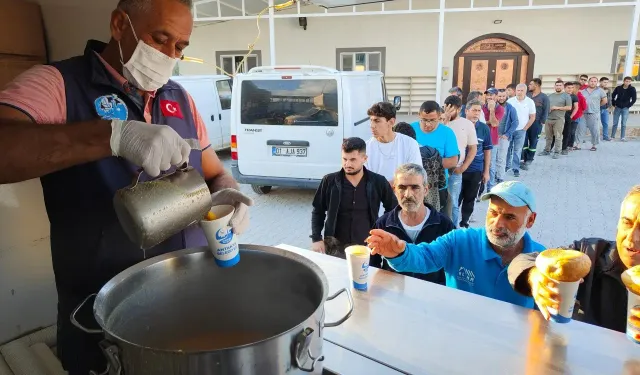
563, 265
631, 279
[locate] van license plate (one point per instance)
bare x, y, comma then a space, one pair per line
289, 151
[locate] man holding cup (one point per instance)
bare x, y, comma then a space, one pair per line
602, 297
474, 260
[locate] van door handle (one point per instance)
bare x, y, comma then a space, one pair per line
213, 117
220, 116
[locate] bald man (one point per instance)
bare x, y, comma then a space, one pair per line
84, 126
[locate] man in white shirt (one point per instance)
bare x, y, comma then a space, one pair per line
388, 150
526, 110
467, 140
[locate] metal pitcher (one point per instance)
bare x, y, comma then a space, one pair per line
152, 211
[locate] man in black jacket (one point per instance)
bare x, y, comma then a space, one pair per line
413, 221
347, 202
602, 297
623, 98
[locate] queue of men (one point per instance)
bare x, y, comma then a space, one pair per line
418, 239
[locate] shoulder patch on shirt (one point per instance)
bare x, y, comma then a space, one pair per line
111, 107
171, 109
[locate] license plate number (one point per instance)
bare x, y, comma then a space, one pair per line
289, 151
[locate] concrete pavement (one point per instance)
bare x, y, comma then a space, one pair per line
578, 195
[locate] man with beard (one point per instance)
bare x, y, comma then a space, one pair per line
602, 297
559, 104
349, 201
474, 260
413, 221
507, 127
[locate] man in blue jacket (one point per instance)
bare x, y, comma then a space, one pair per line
474, 260
413, 220
508, 125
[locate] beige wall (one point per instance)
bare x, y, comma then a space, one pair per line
411, 40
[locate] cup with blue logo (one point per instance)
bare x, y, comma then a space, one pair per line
358, 262
222, 241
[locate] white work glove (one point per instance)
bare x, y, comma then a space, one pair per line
240, 219
155, 148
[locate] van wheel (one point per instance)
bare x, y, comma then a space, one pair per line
261, 189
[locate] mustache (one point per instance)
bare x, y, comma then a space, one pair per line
409, 200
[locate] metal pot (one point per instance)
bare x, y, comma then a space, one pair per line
180, 313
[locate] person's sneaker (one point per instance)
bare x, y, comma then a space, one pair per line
524, 166
544, 153
516, 173
556, 155
623, 139
606, 139
565, 152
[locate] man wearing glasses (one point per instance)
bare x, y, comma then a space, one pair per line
429, 132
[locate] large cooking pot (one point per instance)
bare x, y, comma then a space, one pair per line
180, 313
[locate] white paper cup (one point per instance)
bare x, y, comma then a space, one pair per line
568, 292
222, 242
633, 301
358, 261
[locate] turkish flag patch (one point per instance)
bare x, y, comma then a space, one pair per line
171, 109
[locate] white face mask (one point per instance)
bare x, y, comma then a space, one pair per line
148, 69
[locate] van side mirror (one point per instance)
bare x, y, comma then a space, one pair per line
397, 102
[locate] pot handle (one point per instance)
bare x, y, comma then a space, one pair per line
302, 348
344, 318
111, 352
75, 322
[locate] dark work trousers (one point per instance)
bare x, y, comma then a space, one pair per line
572, 133
531, 141
470, 185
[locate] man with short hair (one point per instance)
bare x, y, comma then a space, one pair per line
568, 115
559, 104
604, 109
472, 95
602, 297
623, 98
596, 98
511, 90
492, 116
404, 128
346, 203
386, 150
413, 220
476, 259
533, 133
455, 90
90, 123
467, 146
584, 79
430, 132
577, 120
526, 110
506, 131
478, 171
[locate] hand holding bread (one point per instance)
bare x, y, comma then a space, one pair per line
554, 266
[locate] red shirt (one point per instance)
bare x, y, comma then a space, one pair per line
499, 112
582, 105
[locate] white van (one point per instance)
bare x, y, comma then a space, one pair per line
212, 96
288, 123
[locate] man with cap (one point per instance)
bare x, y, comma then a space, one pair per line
476, 259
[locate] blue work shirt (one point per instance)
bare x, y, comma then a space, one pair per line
484, 143
442, 139
469, 263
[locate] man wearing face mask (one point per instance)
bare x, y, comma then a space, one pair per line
474, 260
84, 126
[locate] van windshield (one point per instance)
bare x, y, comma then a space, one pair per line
302, 102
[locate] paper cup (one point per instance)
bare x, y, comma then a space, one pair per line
222, 242
568, 292
633, 301
358, 260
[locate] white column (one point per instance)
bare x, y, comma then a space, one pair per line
440, 51
631, 44
272, 35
